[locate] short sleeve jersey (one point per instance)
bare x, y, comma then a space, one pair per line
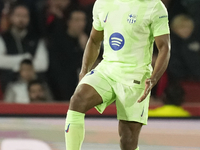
129, 29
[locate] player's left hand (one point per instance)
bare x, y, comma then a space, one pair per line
149, 84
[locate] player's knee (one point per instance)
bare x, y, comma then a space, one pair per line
128, 143
77, 103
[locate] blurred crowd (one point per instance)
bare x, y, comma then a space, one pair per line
42, 44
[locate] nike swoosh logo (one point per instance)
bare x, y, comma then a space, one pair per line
67, 129
142, 112
90, 73
106, 18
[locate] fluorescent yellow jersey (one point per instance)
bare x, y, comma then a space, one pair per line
129, 29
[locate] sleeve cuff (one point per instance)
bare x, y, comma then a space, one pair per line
97, 28
161, 33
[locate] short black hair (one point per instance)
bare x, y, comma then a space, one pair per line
33, 82
27, 62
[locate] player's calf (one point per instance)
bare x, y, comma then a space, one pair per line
128, 143
129, 134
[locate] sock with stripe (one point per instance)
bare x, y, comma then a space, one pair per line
74, 130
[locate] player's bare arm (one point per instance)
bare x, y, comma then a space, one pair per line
163, 45
91, 51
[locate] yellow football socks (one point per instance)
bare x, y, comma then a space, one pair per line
74, 130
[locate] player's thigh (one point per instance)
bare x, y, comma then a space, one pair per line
84, 98
93, 89
129, 134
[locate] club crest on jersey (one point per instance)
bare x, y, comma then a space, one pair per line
131, 18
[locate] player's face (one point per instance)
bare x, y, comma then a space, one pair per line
20, 17
27, 72
77, 22
36, 93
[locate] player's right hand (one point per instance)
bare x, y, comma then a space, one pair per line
149, 84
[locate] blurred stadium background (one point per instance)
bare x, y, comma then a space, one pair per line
41, 46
